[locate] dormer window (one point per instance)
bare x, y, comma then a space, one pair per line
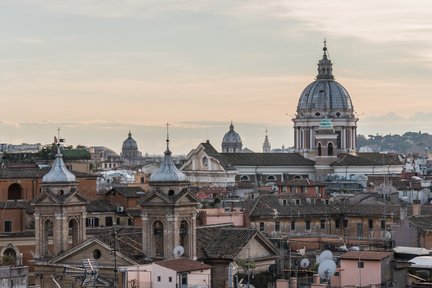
205, 162
244, 178
271, 178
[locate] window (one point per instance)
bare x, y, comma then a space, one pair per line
323, 223
360, 264
330, 149
284, 202
108, 221
383, 224
345, 223
244, 178
293, 189
277, 226
8, 226
308, 224
319, 149
159, 278
337, 223
293, 225
92, 222
142, 180
271, 178
169, 279
370, 224
97, 254
205, 162
261, 226
14, 192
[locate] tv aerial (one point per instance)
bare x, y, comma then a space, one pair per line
304, 263
178, 251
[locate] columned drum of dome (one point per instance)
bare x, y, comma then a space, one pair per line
324, 98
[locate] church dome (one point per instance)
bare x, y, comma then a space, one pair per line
58, 173
167, 172
325, 96
129, 143
231, 141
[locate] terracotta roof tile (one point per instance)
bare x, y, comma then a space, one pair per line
183, 265
365, 255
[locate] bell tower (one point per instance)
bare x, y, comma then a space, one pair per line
169, 213
60, 212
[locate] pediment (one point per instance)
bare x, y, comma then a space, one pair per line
88, 249
186, 198
260, 250
155, 197
46, 198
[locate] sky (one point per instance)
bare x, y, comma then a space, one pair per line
99, 68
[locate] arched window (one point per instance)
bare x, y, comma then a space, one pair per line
205, 161
330, 149
48, 226
14, 192
244, 178
319, 149
158, 234
271, 178
73, 231
9, 256
184, 236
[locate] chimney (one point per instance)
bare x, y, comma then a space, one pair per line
416, 208
316, 279
403, 212
293, 282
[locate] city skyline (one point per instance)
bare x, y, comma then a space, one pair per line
98, 70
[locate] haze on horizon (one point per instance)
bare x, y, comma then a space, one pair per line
98, 69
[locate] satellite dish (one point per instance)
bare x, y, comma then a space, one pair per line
178, 251
326, 269
304, 263
387, 236
325, 255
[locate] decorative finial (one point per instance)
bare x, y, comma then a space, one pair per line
130, 134
167, 137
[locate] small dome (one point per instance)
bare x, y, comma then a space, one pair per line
129, 143
231, 141
58, 173
167, 172
231, 136
326, 124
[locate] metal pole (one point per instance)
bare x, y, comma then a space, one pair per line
114, 234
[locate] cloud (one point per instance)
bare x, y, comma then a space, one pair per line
30, 40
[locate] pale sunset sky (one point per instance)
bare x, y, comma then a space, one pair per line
98, 69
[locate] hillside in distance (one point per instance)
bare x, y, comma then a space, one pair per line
408, 143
